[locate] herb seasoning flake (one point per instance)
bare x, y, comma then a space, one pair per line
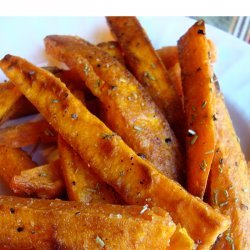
99, 241
194, 139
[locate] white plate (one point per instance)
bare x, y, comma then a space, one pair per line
23, 36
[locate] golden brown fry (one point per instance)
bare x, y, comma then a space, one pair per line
197, 79
9, 96
55, 224
113, 49
12, 162
27, 133
81, 183
229, 185
43, 182
135, 179
148, 68
130, 111
181, 240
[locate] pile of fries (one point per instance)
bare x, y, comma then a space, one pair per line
147, 154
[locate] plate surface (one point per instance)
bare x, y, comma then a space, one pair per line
23, 36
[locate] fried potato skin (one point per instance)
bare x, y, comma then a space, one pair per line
148, 68
43, 182
135, 179
81, 182
197, 75
12, 162
229, 185
28, 133
130, 110
40, 224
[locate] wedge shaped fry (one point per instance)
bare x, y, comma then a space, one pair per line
12, 162
27, 133
181, 240
229, 185
42, 223
198, 87
81, 183
135, 179
148, 68
43, 182
130, 111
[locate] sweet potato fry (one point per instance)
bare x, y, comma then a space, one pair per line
169, 54
135, 179
181, 240
113, 49
9, 95
12, 162
130, 111
27, 223
43, 182
14, 105
148, 68
229, 185
197, 79
27, 133
81, 183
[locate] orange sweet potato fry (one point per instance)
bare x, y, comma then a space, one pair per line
43, 182
198, 87
169, 54
130, 111
81, 183
113, 49
27, 133
12, 162
9, 95
181, 240
148, 68
55, 224
229, 185
135, 179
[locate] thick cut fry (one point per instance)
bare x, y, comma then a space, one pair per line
12, 162
43, 182
14, 105
81, 183
197, 77
181, 240
113, 49
55, 224
135, 179
169, 54
229, 185
27, 133
9, 95
130, 111
148, 68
